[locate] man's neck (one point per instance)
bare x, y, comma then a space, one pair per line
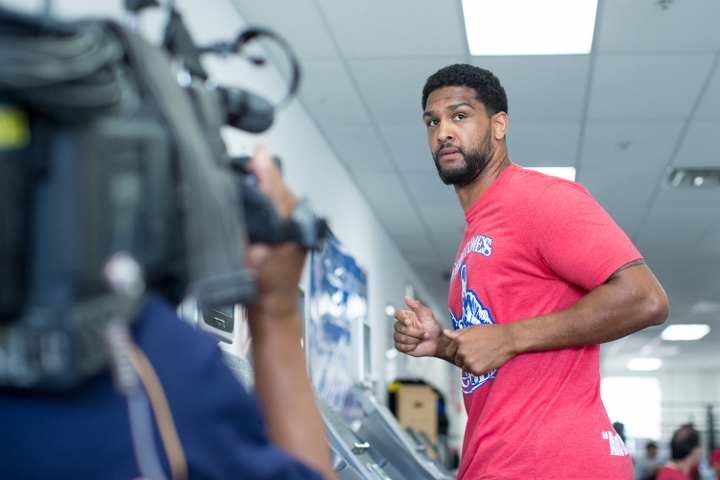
683, 465
469, 194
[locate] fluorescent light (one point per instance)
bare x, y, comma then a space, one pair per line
529, 27
568, 173
684, 332
644, 364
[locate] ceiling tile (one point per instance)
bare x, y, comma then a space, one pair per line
328, 92
428, 191
383, 190
632, 187
408, 147
449, 242
628, 218
298, 21
678, 201
646, 86
709, 108
392, 87
378, 28
414, 247
543, 144
403, 222
671, 232
700, 146
446, 219
709, 243
684, 26
548, 88
618, 145
359, 148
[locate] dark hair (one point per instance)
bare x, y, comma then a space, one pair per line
486, 85
684, 440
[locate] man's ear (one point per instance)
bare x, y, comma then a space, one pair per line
499, 125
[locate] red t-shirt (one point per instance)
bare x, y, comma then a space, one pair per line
668, 473
534, 245
715, 457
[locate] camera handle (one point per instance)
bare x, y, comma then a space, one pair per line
263, 223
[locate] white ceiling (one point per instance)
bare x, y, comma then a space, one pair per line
646, 98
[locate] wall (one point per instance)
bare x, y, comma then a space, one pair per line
684, 397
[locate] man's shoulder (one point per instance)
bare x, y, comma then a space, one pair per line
538, 183
523, 189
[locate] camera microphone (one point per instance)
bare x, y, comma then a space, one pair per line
247, 111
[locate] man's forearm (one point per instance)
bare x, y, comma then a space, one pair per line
623, 305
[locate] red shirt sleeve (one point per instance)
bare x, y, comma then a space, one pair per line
576, 238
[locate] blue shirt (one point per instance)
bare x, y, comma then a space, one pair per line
85, 434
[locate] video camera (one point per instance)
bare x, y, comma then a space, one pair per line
114, 179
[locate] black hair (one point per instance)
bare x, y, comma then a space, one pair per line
486, 85
684, 440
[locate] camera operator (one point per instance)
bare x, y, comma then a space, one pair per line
223, 431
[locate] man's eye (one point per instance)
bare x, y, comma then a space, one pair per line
432, 123
460, 116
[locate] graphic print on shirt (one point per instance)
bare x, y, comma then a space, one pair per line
617, 446
473, 313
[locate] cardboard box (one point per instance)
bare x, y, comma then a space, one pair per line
416, 407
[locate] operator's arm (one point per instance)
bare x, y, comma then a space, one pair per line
281, 380
630, 300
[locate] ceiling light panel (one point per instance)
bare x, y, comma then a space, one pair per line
568, 173
684, 332
529, 27
644, 364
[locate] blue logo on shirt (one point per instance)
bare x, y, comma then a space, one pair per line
473, 313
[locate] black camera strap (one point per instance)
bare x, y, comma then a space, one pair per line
42, 352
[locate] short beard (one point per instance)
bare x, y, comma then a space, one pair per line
476, 161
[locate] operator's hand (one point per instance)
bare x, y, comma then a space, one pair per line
417, 332
278, 267
481, 348
270, 181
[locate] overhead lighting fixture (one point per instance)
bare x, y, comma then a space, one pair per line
680, 177
685, 332
644, 364
568, 173
529, 27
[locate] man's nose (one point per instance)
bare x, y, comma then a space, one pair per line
445, 132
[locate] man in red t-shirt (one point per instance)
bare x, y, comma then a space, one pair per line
715, 461
542, 276
686, 452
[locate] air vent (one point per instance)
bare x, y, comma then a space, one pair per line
693, 177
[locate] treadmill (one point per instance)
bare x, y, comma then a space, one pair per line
381, 429
351, 455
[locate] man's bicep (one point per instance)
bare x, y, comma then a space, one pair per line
639, 293
632, 264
